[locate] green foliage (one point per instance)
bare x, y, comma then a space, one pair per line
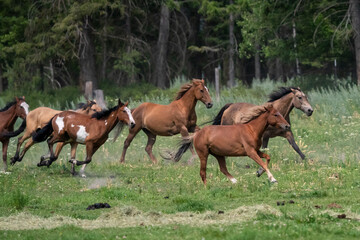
18, 200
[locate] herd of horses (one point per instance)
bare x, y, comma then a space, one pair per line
239, 129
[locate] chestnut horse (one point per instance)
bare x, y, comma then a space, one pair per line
37, 119
8, 116
284, 99
74, 128
235, 140
167, 120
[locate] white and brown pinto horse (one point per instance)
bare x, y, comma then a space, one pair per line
8, 117
74, 128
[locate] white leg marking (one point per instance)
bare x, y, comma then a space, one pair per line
105, 122
25, 106
81, 134
82, 174
129, 115
60, 122
233, 180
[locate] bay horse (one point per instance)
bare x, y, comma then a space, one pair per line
166, 120
8, 116
37, 119
284, 99
74, 128
242, 139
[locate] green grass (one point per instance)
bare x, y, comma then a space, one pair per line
169, 201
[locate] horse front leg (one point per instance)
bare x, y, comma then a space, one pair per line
253, 154
290, 137
267, 157
90, 150
5, 145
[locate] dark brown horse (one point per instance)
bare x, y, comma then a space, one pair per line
8, 116
235, 140
38, 118
284, 99
167, 120
74, 128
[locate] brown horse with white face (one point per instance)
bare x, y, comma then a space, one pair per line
74, 128
8, 116
167, 120
235, 140
37, 119
284, 99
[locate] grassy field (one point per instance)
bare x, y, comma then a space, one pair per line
169, 201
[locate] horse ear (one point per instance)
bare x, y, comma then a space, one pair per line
268, 106
17, 99
127, 103
120, 103
203, 81
94, 100
293, 89
23, 97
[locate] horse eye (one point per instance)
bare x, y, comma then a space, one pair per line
276, 115
300, 98
201, 90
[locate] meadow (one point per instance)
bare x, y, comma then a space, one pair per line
315, 198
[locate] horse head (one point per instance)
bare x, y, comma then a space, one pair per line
300, 101
124, 114
202, 92
275, 118
21, 108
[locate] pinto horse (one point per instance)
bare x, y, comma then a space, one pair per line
235, 140
167, 120
284, 99
8, 116
74, 128
38, 118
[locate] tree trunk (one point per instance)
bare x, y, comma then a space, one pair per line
1, 81
355, 18
159, 75
231, 81
257, 62
104, 49
87, 56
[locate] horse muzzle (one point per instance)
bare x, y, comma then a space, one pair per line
308, 111
209, 105
285, 126
132, 125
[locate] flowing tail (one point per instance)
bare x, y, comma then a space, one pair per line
17, 132
42, 134
217, 119
185, 144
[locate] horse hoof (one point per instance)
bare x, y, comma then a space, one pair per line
42, 158
39, 164
83, 175
273, 181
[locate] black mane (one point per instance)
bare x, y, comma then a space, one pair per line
282, 91
9, 105
104, 113
83, 106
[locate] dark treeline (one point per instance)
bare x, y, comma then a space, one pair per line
47, 44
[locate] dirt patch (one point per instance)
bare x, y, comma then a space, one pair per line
132, 217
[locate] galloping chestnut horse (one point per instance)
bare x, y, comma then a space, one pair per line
235, 140
8, 116
38, 118
284, 99
74, 128
167, 120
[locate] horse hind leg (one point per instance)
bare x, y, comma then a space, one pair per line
5, 145
150, 144
223, 168
128, 140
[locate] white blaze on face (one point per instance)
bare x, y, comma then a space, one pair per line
81, 134
60, 122
206, 88
129, 115
72, 125
25, 106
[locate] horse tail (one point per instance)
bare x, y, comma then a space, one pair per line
185, 144
217, 119
42, 134
17, 132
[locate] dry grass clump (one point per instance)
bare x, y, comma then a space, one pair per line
130, 217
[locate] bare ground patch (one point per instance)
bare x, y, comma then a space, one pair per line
132, 217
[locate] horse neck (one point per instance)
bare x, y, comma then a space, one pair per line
188, 101
9, 116
111, 120
259, 124
284, 104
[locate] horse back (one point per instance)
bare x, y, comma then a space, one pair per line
233, 112
39, 117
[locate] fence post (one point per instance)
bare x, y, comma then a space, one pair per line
99, 98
